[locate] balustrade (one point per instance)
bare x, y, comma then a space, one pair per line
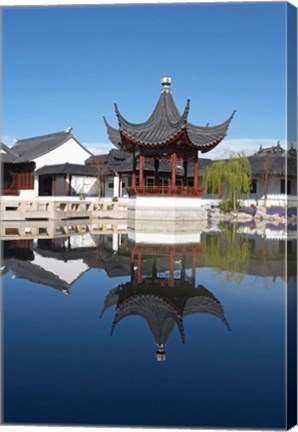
183, 191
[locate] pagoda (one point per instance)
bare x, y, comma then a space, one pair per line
167, 134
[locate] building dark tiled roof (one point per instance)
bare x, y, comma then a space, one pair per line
164, 124
274, 161
67, 168
7, 154
31, 148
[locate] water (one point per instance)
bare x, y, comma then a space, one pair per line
198, 330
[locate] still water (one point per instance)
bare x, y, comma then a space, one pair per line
112, 330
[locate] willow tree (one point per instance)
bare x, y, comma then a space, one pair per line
234, 173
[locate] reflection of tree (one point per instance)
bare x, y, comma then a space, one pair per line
227, 253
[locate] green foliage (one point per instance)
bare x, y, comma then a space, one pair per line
227, 253
233, 172
226, 206
114, 199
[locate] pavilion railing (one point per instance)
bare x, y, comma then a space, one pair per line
183, 191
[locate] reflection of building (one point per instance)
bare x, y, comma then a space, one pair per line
163, 298
42, 264
59, 262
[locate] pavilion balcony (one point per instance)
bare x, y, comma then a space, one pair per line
181, 191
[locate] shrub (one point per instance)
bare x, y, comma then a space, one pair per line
115, 199
227, 206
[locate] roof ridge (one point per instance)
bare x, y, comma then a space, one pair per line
64, 132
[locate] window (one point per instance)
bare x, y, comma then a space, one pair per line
253, 186
111, 185
283, 186
149, 181
123, 184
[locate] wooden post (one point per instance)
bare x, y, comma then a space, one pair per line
64, 185
54, 186
196, 173
69, 185
134, 169
140, 278
185, 166
156, 166
171, 278
174, 162
142, 163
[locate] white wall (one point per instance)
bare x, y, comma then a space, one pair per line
85, 185
67, 271
110, 192
70, 152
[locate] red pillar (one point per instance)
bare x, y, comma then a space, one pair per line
140, 278
171, 278
134, 169
134, 181
174, 163
142, 163
196, 174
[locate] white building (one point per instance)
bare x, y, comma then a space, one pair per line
52, 164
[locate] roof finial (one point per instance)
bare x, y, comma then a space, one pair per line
160, 354
166, 83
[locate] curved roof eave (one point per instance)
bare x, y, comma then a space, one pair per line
113, 134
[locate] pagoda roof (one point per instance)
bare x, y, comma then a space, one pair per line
165, 124
162, 307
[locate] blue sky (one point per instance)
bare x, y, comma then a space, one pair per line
66, 66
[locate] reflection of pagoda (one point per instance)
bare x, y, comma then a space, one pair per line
162, 299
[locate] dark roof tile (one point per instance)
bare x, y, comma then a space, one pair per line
67, 168
32, 148
164, 124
